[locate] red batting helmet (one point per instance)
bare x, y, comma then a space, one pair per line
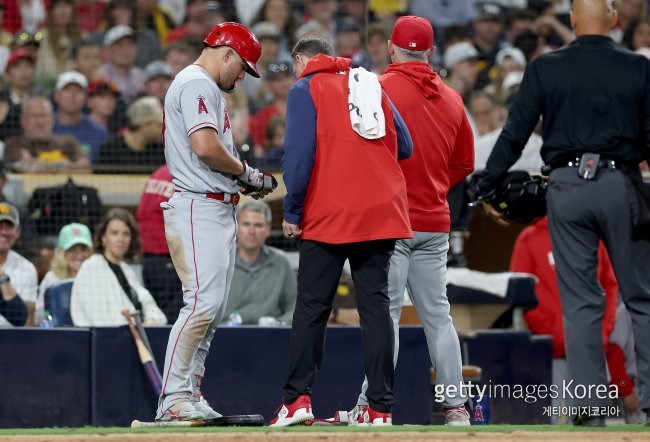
241, 39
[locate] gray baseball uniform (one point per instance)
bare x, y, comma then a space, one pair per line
200, 230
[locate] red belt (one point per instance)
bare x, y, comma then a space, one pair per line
228, 198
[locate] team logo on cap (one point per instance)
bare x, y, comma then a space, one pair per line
412, 44
202, 106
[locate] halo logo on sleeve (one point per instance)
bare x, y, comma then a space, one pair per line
202, 106
226, 121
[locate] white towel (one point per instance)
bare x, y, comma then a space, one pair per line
364, 104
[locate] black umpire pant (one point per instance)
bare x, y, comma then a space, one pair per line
318, 277
581, 212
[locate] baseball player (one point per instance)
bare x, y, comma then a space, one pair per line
200, 218
443, 155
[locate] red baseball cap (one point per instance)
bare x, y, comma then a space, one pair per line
413, 33
20, 54
102, 85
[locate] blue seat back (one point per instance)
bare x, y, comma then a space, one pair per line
57, 303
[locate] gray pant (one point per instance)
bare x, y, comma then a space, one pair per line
420, 264
581, 212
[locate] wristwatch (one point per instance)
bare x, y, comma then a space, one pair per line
4, 279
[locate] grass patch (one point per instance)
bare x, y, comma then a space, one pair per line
305, 429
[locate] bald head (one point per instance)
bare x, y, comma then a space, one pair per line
593, 17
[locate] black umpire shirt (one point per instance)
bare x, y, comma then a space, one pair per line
593, 96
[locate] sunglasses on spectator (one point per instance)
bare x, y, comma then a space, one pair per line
22, 38
279, 67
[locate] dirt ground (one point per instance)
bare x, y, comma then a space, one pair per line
405, 436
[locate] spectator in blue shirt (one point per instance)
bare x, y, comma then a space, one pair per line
70, 98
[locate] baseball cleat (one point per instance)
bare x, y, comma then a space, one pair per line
355, 416
375, 418
202, 406
295, 413
181, 411
456, 416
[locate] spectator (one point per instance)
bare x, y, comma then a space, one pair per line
39, 252
158, 77
179, 55
75, 245
460, 59
273, 145
60, 35
278, 12
103, 99
486, 112
5, 36
637, 35
123, 12
269, 37
70, 98
321, 20
39, 150
533, 254
263, 285
443, 13
120, 70
151, 16
199, 20
629, 11
508, 60
488, 26
552, 31
140, 145
105, 284
23, 14
18, 279
158, 272
237, 105
19, 78
348, 35
517, 21
27, 40
87, 59
376, 38
280, 79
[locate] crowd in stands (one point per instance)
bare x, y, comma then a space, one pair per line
81, 89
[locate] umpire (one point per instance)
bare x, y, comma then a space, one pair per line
594, 98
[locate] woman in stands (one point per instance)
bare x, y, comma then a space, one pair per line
75, 245
105, 284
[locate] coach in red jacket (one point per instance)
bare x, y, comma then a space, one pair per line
346, 199
443, 155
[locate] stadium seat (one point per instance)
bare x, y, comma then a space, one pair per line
57, 303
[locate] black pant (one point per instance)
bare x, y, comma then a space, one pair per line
161, 280
318, 277
580, 213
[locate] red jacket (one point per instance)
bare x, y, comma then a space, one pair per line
159, 188
355, 190
443, 143
533, 254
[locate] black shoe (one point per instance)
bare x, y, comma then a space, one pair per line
588, 421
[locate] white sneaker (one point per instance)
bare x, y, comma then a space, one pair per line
355, 416
456, 416
202, 406
181, 411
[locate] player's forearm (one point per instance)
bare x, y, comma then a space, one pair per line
212, 152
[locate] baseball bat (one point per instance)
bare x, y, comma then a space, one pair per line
237, 420
145, 356
143, 334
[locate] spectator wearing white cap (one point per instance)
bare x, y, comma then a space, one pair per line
460, 60
139, 148
158, 77
18, 280
508, 60
121, 52
70, 98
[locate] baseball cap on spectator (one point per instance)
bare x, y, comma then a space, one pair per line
73, 234
145, 110
102, 85
459, 52
157, 68
265, 29
9, 213
71, 77
277, 68
489, 11
23, 38
348, 24
412, 33
515, 53
117, 33
20, 54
